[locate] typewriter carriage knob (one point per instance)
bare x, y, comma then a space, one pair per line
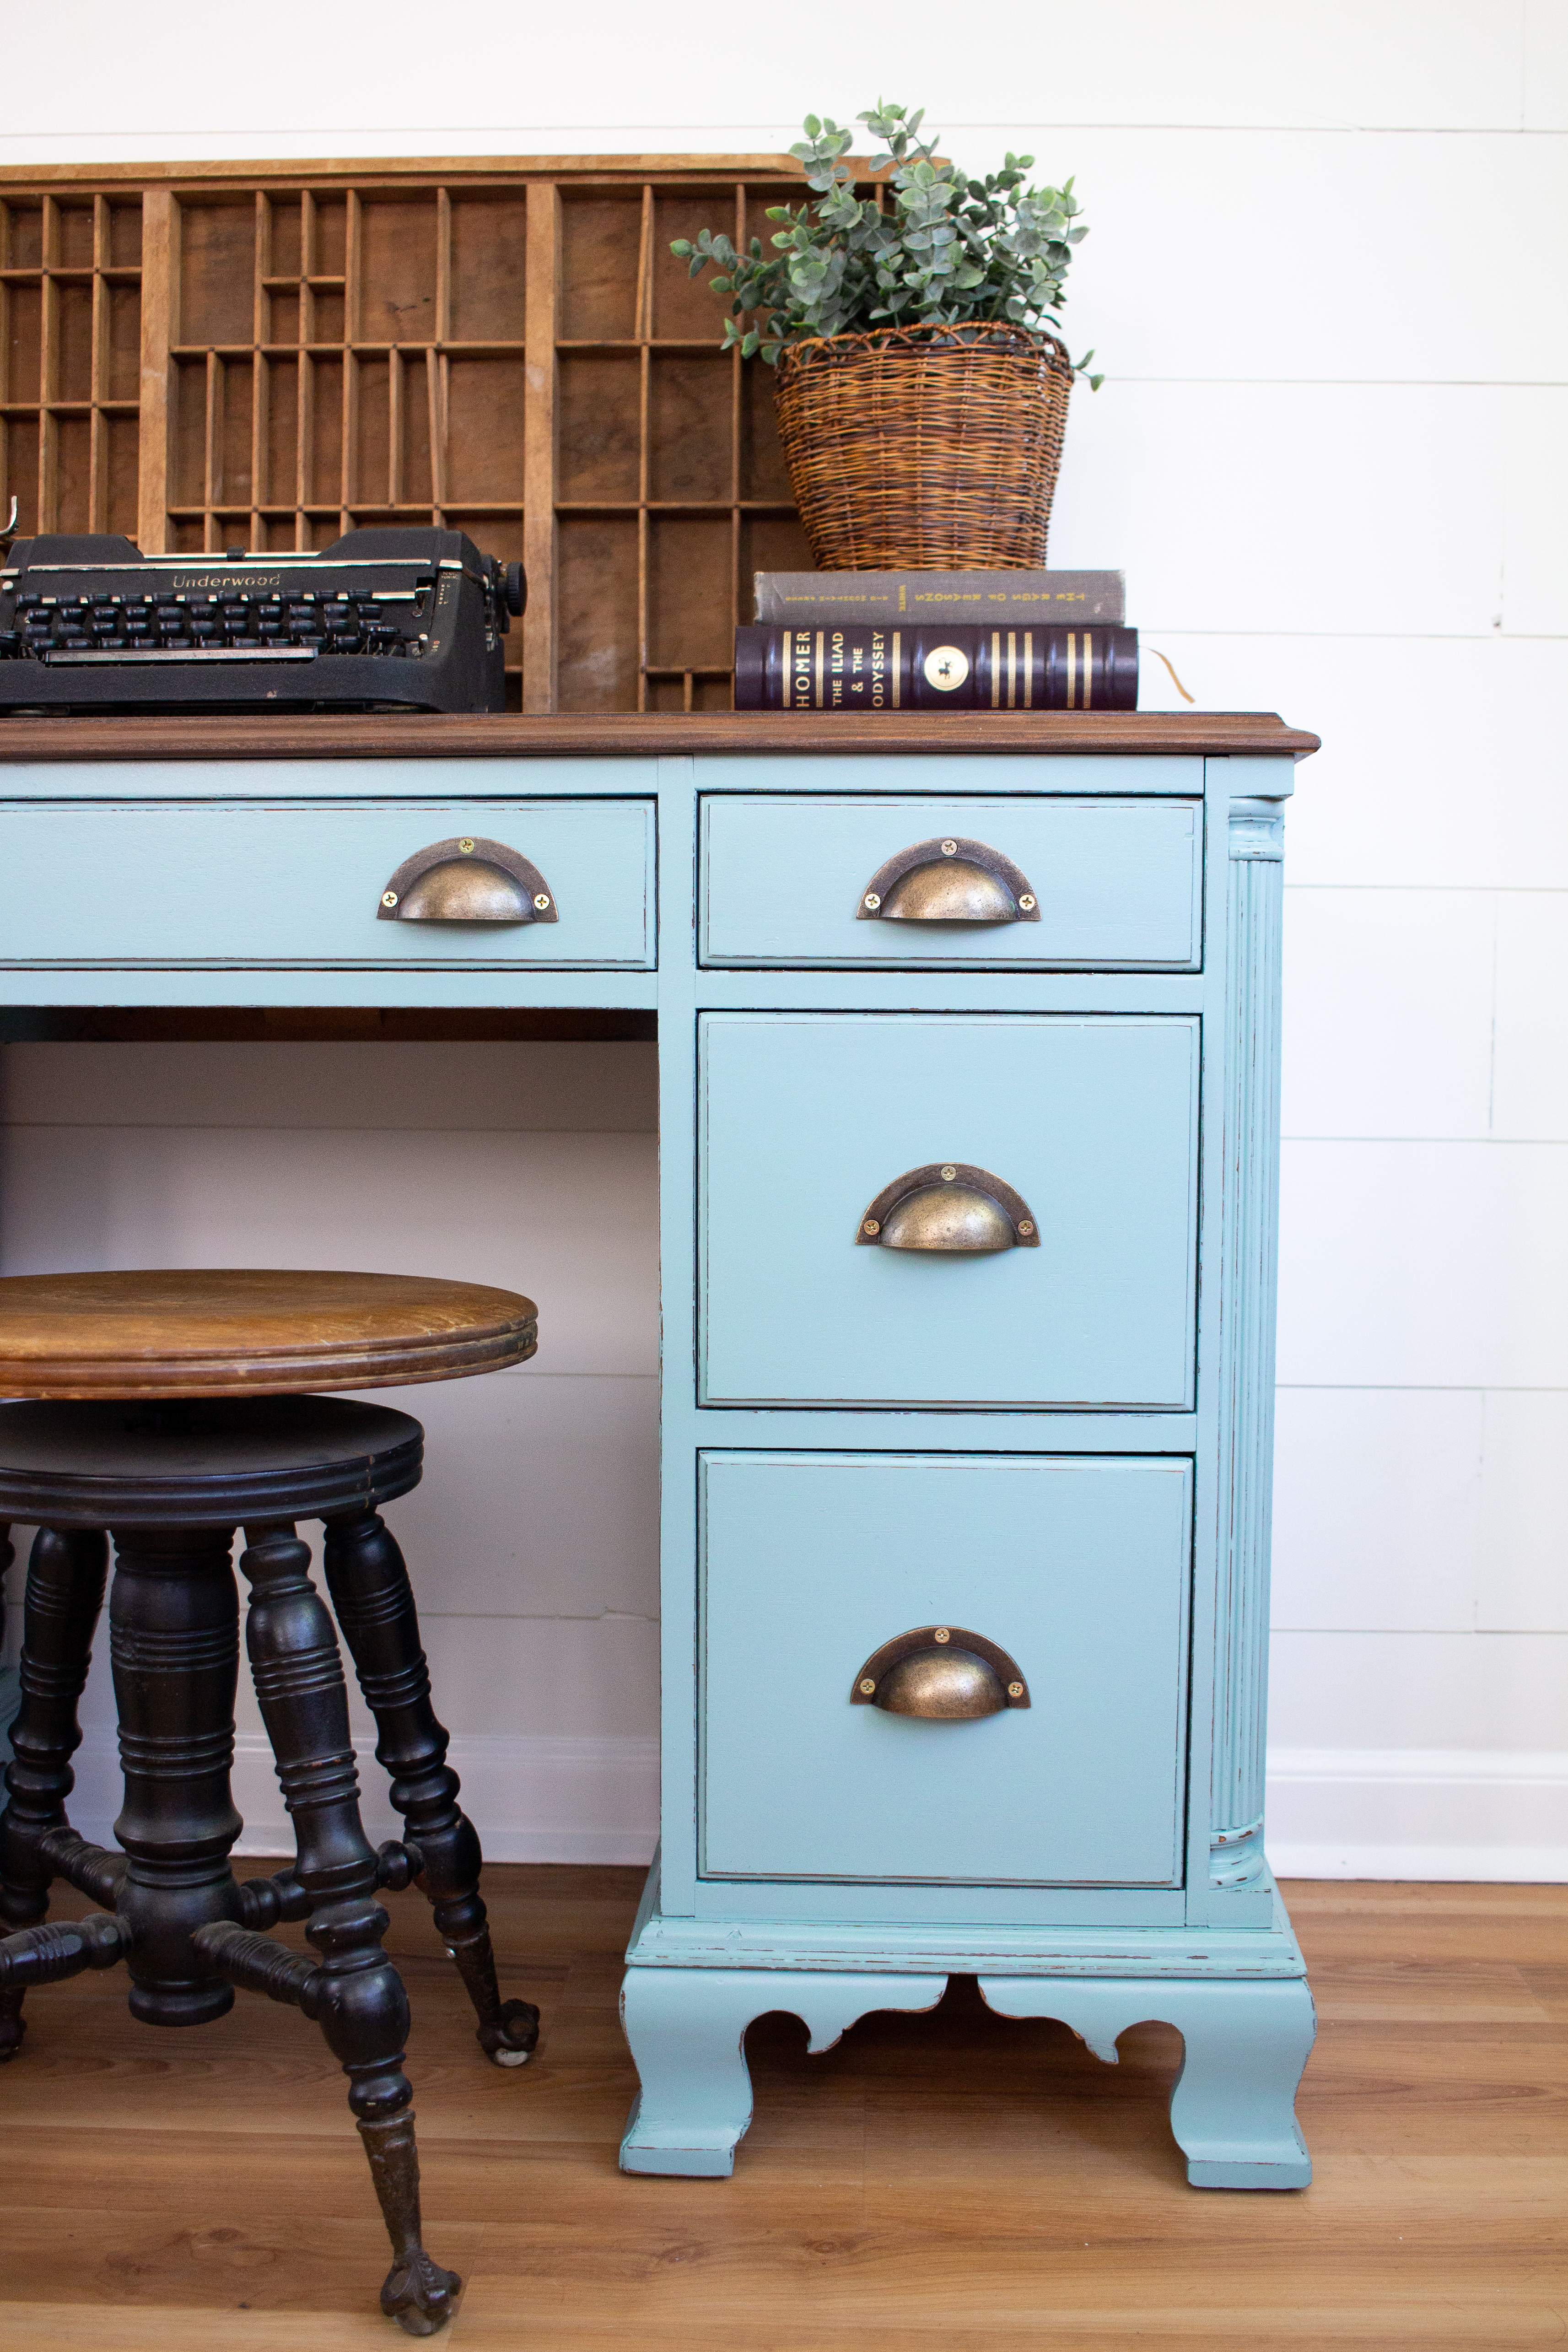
506, 591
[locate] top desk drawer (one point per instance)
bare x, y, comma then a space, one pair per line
179, 883
1117, 884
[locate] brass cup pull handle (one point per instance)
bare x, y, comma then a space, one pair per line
948, 1204
948, 880
942, 1673
467, 880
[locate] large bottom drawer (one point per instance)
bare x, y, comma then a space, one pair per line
1078, 1569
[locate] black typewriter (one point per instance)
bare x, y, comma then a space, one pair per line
382, 620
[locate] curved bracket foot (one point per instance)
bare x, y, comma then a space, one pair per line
420, 2296
1244, 2046
513, 2041
687, 2031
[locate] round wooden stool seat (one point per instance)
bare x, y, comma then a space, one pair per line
179, 1465
169, 1410
239, 1330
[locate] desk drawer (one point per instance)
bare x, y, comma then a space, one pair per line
202, 882
1116, 883
1078, 1569
806, 1117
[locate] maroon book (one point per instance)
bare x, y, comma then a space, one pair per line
932, 665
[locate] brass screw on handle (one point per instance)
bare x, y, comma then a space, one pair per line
466, 846
942, 1634
949, 849
1025, 1225
1027, 902
874, 899
948, 1174
867, 1685
870, 1226
389, 898
1015, 1690
541, 899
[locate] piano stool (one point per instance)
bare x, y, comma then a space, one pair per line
160, 1410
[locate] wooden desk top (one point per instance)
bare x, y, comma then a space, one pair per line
256, 1333
497, 736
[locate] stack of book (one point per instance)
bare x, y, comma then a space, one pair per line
937, 641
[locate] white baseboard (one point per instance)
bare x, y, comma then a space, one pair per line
1334, 1813
1544, 1865
1418, 1812
532, 1798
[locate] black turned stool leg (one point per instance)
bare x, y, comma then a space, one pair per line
7, 1554
174, 1636
370, 1592
357, 1992
64, 1593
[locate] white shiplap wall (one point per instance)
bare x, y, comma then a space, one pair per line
1325, 276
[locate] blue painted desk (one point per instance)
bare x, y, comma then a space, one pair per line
1061, 1448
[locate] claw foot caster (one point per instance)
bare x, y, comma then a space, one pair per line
420, 2296
512, 2042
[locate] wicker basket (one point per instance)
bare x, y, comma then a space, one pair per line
925, 448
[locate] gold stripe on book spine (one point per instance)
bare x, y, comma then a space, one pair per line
1073, 669
1012, 670
897, 663
1088, 669
996, 668
1029, 669
788, 650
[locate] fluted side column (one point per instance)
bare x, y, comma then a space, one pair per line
1252, 1185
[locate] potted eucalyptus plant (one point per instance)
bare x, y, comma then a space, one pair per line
922, 382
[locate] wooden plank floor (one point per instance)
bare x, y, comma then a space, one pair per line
955, 2182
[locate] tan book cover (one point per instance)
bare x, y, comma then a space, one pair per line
981, 598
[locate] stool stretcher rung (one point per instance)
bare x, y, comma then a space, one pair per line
94, 1871
58, 1949
257, 1964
